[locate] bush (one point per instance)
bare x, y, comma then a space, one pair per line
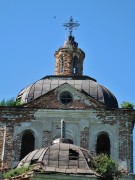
2, 102
105, 166
127, 105
16, 172
9, 102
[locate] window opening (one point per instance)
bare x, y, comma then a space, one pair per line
33, 161
73, 155
61, 65
103, 144
75, 65
66, 97
27, 144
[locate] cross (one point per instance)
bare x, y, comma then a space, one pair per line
71, 24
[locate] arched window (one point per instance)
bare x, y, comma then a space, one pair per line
61, 65
103, 144
75, 65
27, 143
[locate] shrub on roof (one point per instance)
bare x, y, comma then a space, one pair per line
16, 172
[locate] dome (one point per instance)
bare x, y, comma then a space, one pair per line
61, 157
82, 83
69, 69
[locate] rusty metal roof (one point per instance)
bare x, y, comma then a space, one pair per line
85, 83
61, 157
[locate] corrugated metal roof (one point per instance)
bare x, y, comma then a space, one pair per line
85, 83
61, 157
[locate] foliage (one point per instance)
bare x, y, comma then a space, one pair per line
9, 102
127, 105
16, 172
105, 166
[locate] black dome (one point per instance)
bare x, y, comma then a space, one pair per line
85, 83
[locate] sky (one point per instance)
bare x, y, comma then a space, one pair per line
31, 31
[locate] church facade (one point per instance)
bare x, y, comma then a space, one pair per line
71, 104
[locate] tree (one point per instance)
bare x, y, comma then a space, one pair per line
9, 102
107, 167
127, 105
2, 102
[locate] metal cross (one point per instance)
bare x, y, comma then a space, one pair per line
71, 24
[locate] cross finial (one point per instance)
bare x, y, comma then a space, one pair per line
71, 24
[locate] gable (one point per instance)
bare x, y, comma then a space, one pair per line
65, 97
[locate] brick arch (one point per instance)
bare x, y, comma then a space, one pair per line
17, 143
27, 142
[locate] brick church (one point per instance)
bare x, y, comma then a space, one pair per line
88, 111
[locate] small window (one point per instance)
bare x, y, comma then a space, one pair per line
75, 65
61, 65
66, 97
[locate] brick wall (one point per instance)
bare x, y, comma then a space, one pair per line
85, 138
46, 140
17, 147
66, 55
9, 116
122, 119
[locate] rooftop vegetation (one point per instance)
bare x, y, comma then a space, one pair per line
10, 102
127, 105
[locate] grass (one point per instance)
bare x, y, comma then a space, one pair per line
16, 172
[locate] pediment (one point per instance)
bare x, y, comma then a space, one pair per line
53, 99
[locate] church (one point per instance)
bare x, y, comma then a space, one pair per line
70, 105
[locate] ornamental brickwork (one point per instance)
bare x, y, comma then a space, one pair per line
69, 61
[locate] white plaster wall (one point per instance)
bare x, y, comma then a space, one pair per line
75, 122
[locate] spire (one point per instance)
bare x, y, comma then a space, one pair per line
71, 25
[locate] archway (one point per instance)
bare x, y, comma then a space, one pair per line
27, 143
103, 144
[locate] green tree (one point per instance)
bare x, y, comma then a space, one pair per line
9, 102
3, 102
127, 105
107, 167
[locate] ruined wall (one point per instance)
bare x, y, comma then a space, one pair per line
6, 144
126, 142
8, 118
123, 120
83, 126
85, 138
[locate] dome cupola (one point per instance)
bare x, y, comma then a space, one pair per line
69, 69
61, 157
